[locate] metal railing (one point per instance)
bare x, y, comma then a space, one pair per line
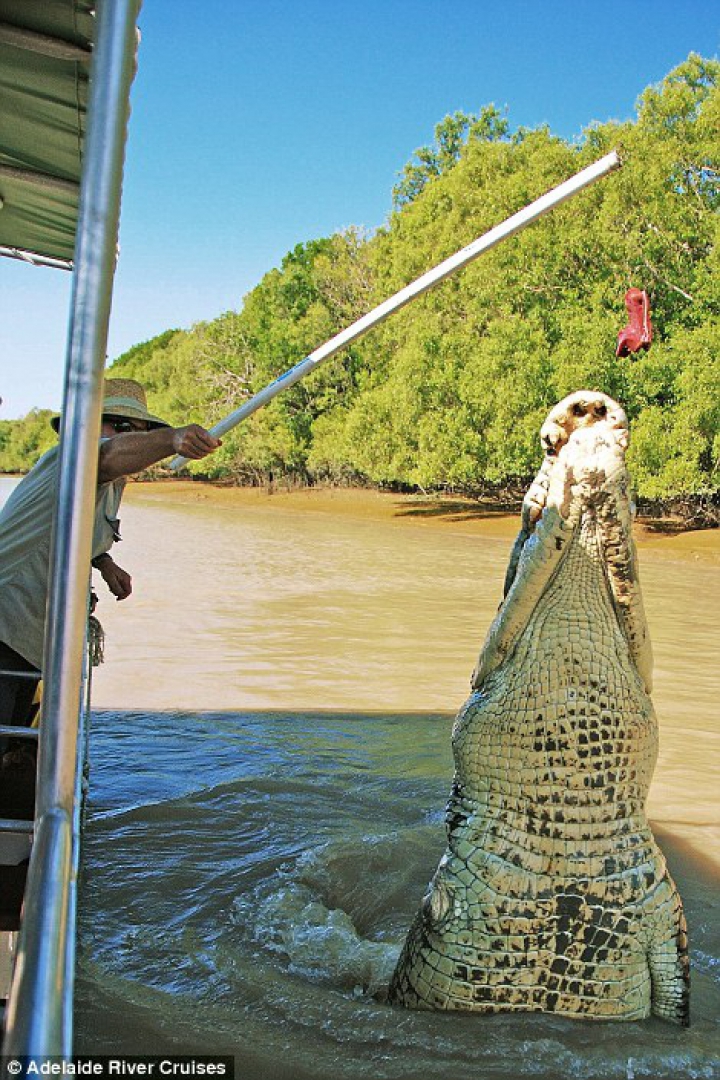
39, 1013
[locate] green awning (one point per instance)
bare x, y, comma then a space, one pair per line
45, 52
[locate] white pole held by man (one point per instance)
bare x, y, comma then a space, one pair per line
431, 278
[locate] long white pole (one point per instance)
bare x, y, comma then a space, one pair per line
449, 266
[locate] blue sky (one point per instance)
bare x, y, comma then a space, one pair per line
258, 124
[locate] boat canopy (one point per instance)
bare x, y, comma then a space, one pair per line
45, 53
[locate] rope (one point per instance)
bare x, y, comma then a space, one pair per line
96, 641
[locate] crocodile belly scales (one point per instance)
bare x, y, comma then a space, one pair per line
552, 894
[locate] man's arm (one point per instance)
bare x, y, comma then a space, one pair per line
133, 451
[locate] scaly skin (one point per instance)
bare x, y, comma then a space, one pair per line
552, 895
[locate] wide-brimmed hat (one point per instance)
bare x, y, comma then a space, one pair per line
124, 397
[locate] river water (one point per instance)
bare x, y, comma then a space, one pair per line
269, 766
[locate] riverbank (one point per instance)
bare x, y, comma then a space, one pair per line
665, 538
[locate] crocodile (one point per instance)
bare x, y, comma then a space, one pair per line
553, 895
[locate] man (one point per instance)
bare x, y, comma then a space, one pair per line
131, 440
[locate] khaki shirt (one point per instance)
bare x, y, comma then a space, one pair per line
25, 533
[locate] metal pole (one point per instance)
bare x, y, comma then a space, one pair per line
450, 266
41, 995
95, 254
34, 259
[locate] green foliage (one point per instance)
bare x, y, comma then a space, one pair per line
675, 447
451, 137
450, 393
23, 442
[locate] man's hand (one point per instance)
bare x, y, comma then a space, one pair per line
194, 442
117, 580
133, 451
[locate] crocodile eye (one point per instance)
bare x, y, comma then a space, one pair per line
578, 410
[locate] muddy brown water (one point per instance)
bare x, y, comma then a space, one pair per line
270, 763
